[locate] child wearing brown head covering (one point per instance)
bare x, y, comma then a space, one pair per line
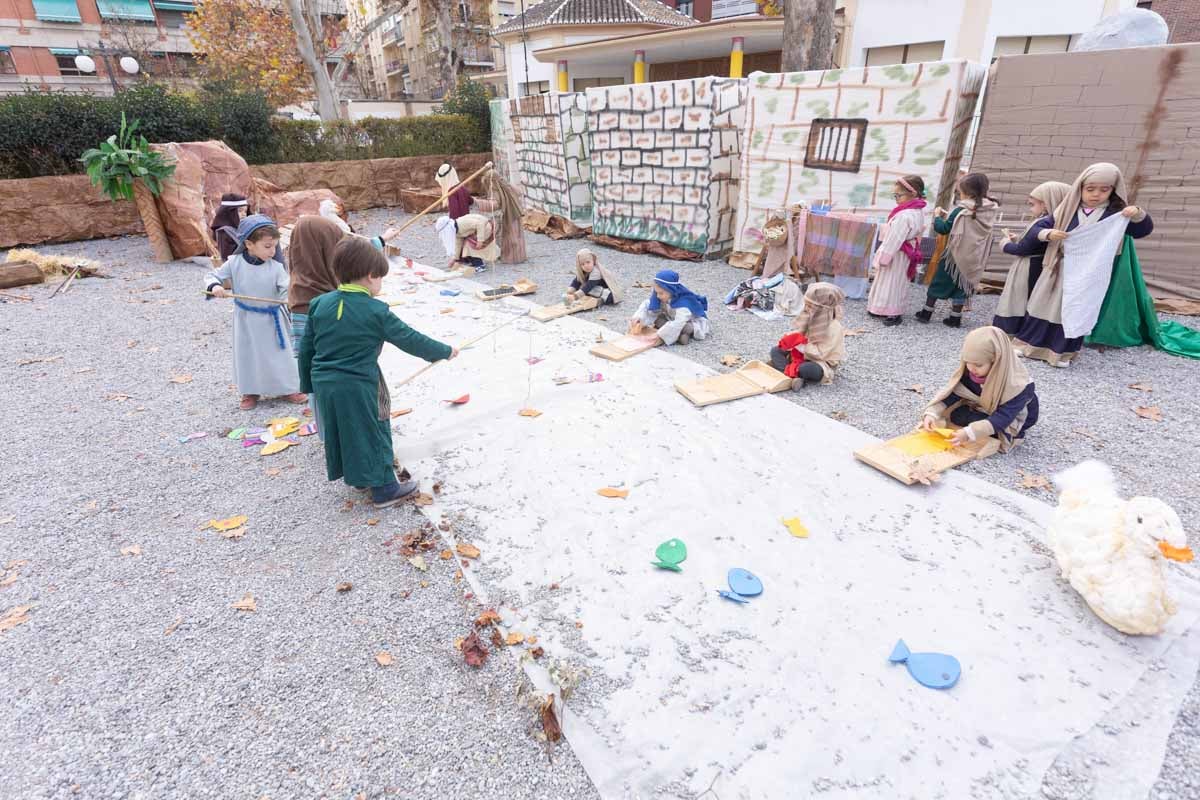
989, 395
225, 222
815, 347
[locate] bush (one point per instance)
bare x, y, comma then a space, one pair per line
45, 133
304, 140
470, 98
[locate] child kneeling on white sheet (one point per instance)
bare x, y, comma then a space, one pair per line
815, 347
989, 395
592, 280
673, 311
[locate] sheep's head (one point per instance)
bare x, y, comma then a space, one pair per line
1154, 525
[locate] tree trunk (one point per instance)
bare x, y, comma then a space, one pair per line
807, 35
327, 101
152, 222
445, 29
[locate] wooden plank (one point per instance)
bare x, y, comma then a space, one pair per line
754, 378
770, 379
889, 457
625, 347
547, 313
19, 273
521, 287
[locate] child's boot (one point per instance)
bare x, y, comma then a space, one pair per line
892, 322
955, 318
395, 492
925, 314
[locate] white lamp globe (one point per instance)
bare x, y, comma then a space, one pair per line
130, 65
85, 63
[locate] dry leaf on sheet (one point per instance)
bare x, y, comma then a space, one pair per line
422, 499
730, 360
384, 659
537, 652
181, 379
609, 491
474, 653
1153, 413
489, 617
1142, 387
18, 615
131, 550
923, 475
419, 563
400, 412
345, 586
467, 550
514, 638
1032, 481
549, 720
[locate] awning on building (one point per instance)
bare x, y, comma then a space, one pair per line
126, 9
56, 10
707, 40
186, 8
63, 51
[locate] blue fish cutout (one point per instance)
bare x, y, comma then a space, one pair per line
734, 596
450, 292
935, 670
744, 582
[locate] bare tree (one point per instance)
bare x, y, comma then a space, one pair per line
306, 19
807, 34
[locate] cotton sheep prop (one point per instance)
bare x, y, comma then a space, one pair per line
1112, 550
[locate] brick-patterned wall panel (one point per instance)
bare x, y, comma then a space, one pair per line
1183, 19
652, 149
917, 119
504, 153
549, 139
1046, 117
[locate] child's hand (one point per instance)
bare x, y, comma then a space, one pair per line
453, 353
219, 291
960, 437
928, 423
1056, 235
939, 212
1012, 237
1129, 212
389, 234
635, 327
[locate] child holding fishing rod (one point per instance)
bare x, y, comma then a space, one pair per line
263, 365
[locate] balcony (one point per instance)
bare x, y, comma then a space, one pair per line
395, 67
478, 57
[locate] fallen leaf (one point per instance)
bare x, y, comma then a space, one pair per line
467, 550
553, 587
443, 525
924, 475
1142, 387
85, 369
226, 524
730, 360
514, 639
446, 555
474, 653
8, 520
458, 401
529, 412
384, 658
537, 652
422, 499
131, 550
18, 615
181, 379
1031, 481
234, 533
489, 617
247, 603
549, 720
854, 332
277, 446
344, 587
25, 362
173, 626
373, 521
497, 639
119, 398
840, 416
458, 643
15, 562
1149, 412
400, 412
10, 579
916, 387
437, 488
796, 527
609, 491
446, 311
419, 563
346, 506
273, 472
578, 624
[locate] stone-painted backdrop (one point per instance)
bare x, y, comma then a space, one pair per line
665, 160
504, 153
550, 142
917, 118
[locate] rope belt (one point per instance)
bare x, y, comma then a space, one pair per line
273, 312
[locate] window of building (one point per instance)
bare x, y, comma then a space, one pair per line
1021, 45
590, 83
66, 63
905, 53
685, 7
535, 87
836, 144
7, 67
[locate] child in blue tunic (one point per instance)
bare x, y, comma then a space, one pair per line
673, 311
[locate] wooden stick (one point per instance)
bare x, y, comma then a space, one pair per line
439, 201
62, 287
248, 297
476, 340
21, 297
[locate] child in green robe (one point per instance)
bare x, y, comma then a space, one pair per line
339, 361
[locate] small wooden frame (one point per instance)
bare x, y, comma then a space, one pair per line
753, 378
888, 458
521, 287
627, 346
547, 313
441, 276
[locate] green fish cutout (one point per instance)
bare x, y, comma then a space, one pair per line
670, 555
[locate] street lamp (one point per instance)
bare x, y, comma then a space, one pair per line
129, 65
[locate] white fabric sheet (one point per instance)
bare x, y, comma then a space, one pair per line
1088, 255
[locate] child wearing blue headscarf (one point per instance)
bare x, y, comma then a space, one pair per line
263, 364
672, 310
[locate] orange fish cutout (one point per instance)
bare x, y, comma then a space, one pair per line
1183, 554
458, 401
529, 412
609, 491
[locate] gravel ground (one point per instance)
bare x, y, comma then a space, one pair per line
134, 677
284, 702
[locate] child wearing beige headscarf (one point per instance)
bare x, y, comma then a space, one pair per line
990, 394
1029, 248
815, 347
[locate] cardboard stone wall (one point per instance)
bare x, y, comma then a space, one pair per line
504, 152
549, 138
843, 136
665, 160
1047, 117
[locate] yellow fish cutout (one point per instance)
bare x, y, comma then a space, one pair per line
796, 527
945, 433
274, 447
284, 427
226, 524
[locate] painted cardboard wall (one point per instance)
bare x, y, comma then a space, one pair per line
665, 160
504, 153
551, 149
1046, 117
917, 120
